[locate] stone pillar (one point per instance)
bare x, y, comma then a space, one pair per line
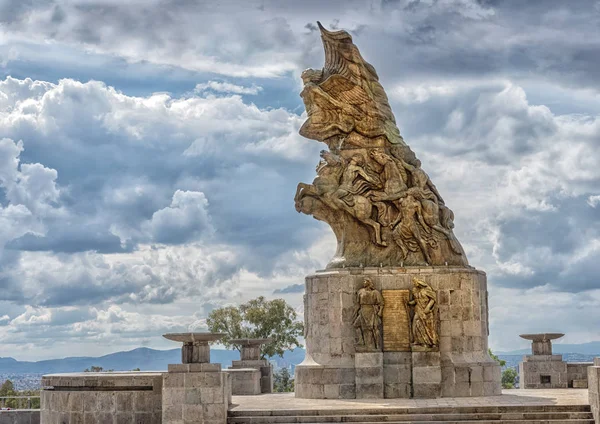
195, 392
250, 354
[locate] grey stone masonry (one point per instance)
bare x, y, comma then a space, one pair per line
594, 389
199, 397
369, 375
426, 375
577, 374
463, 334
20, 416
397, 375
265, 368
245, 381
130, 397
543, 372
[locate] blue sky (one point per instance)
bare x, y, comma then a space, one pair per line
149, 154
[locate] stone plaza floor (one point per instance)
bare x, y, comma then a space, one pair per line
287, 401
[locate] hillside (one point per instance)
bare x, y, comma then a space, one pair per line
142, 358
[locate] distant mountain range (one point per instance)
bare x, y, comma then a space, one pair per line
591, 348
157, 360
143, 358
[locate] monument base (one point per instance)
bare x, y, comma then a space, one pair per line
460, 366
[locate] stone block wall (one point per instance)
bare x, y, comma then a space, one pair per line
199, 397
466, 368
265, 368
101, 397
245, 381
20, 416
397, 374
577, 374
543, 372
594, 389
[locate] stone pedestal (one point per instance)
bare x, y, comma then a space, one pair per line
245, 381
250, 354
542, 369
543, 372
197, 392
464, 367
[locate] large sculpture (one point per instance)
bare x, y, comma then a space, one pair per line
398, 313
370, 188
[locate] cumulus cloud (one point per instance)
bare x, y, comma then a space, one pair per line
225, 87
184, 220
132, 209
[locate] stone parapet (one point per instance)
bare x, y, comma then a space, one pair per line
101, 397
462, 314
20, 416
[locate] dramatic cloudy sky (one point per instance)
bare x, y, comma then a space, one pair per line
149, 156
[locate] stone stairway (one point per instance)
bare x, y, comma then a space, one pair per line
513, 414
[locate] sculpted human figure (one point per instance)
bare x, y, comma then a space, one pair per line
328, 170
394, 186
351, 184
424, 331
367, 317
407, 232
421, 180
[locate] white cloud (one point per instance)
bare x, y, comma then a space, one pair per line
226, 87
594, 200
186, 219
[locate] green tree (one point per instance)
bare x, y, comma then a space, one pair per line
283, 381
94, 368
509, 376
502, 362
258, 318
8, 389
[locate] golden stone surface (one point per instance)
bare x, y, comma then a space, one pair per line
396, 327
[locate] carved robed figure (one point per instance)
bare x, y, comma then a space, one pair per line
424, 326
367, 317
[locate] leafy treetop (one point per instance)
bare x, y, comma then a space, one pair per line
258, 318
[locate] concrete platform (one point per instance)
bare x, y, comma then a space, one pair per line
516, 397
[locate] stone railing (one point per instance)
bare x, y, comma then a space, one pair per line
594, 389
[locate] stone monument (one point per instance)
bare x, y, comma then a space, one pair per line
397, 312
542, 369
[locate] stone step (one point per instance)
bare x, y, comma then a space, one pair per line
390, 419
415, 410
496, 417
479, 422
